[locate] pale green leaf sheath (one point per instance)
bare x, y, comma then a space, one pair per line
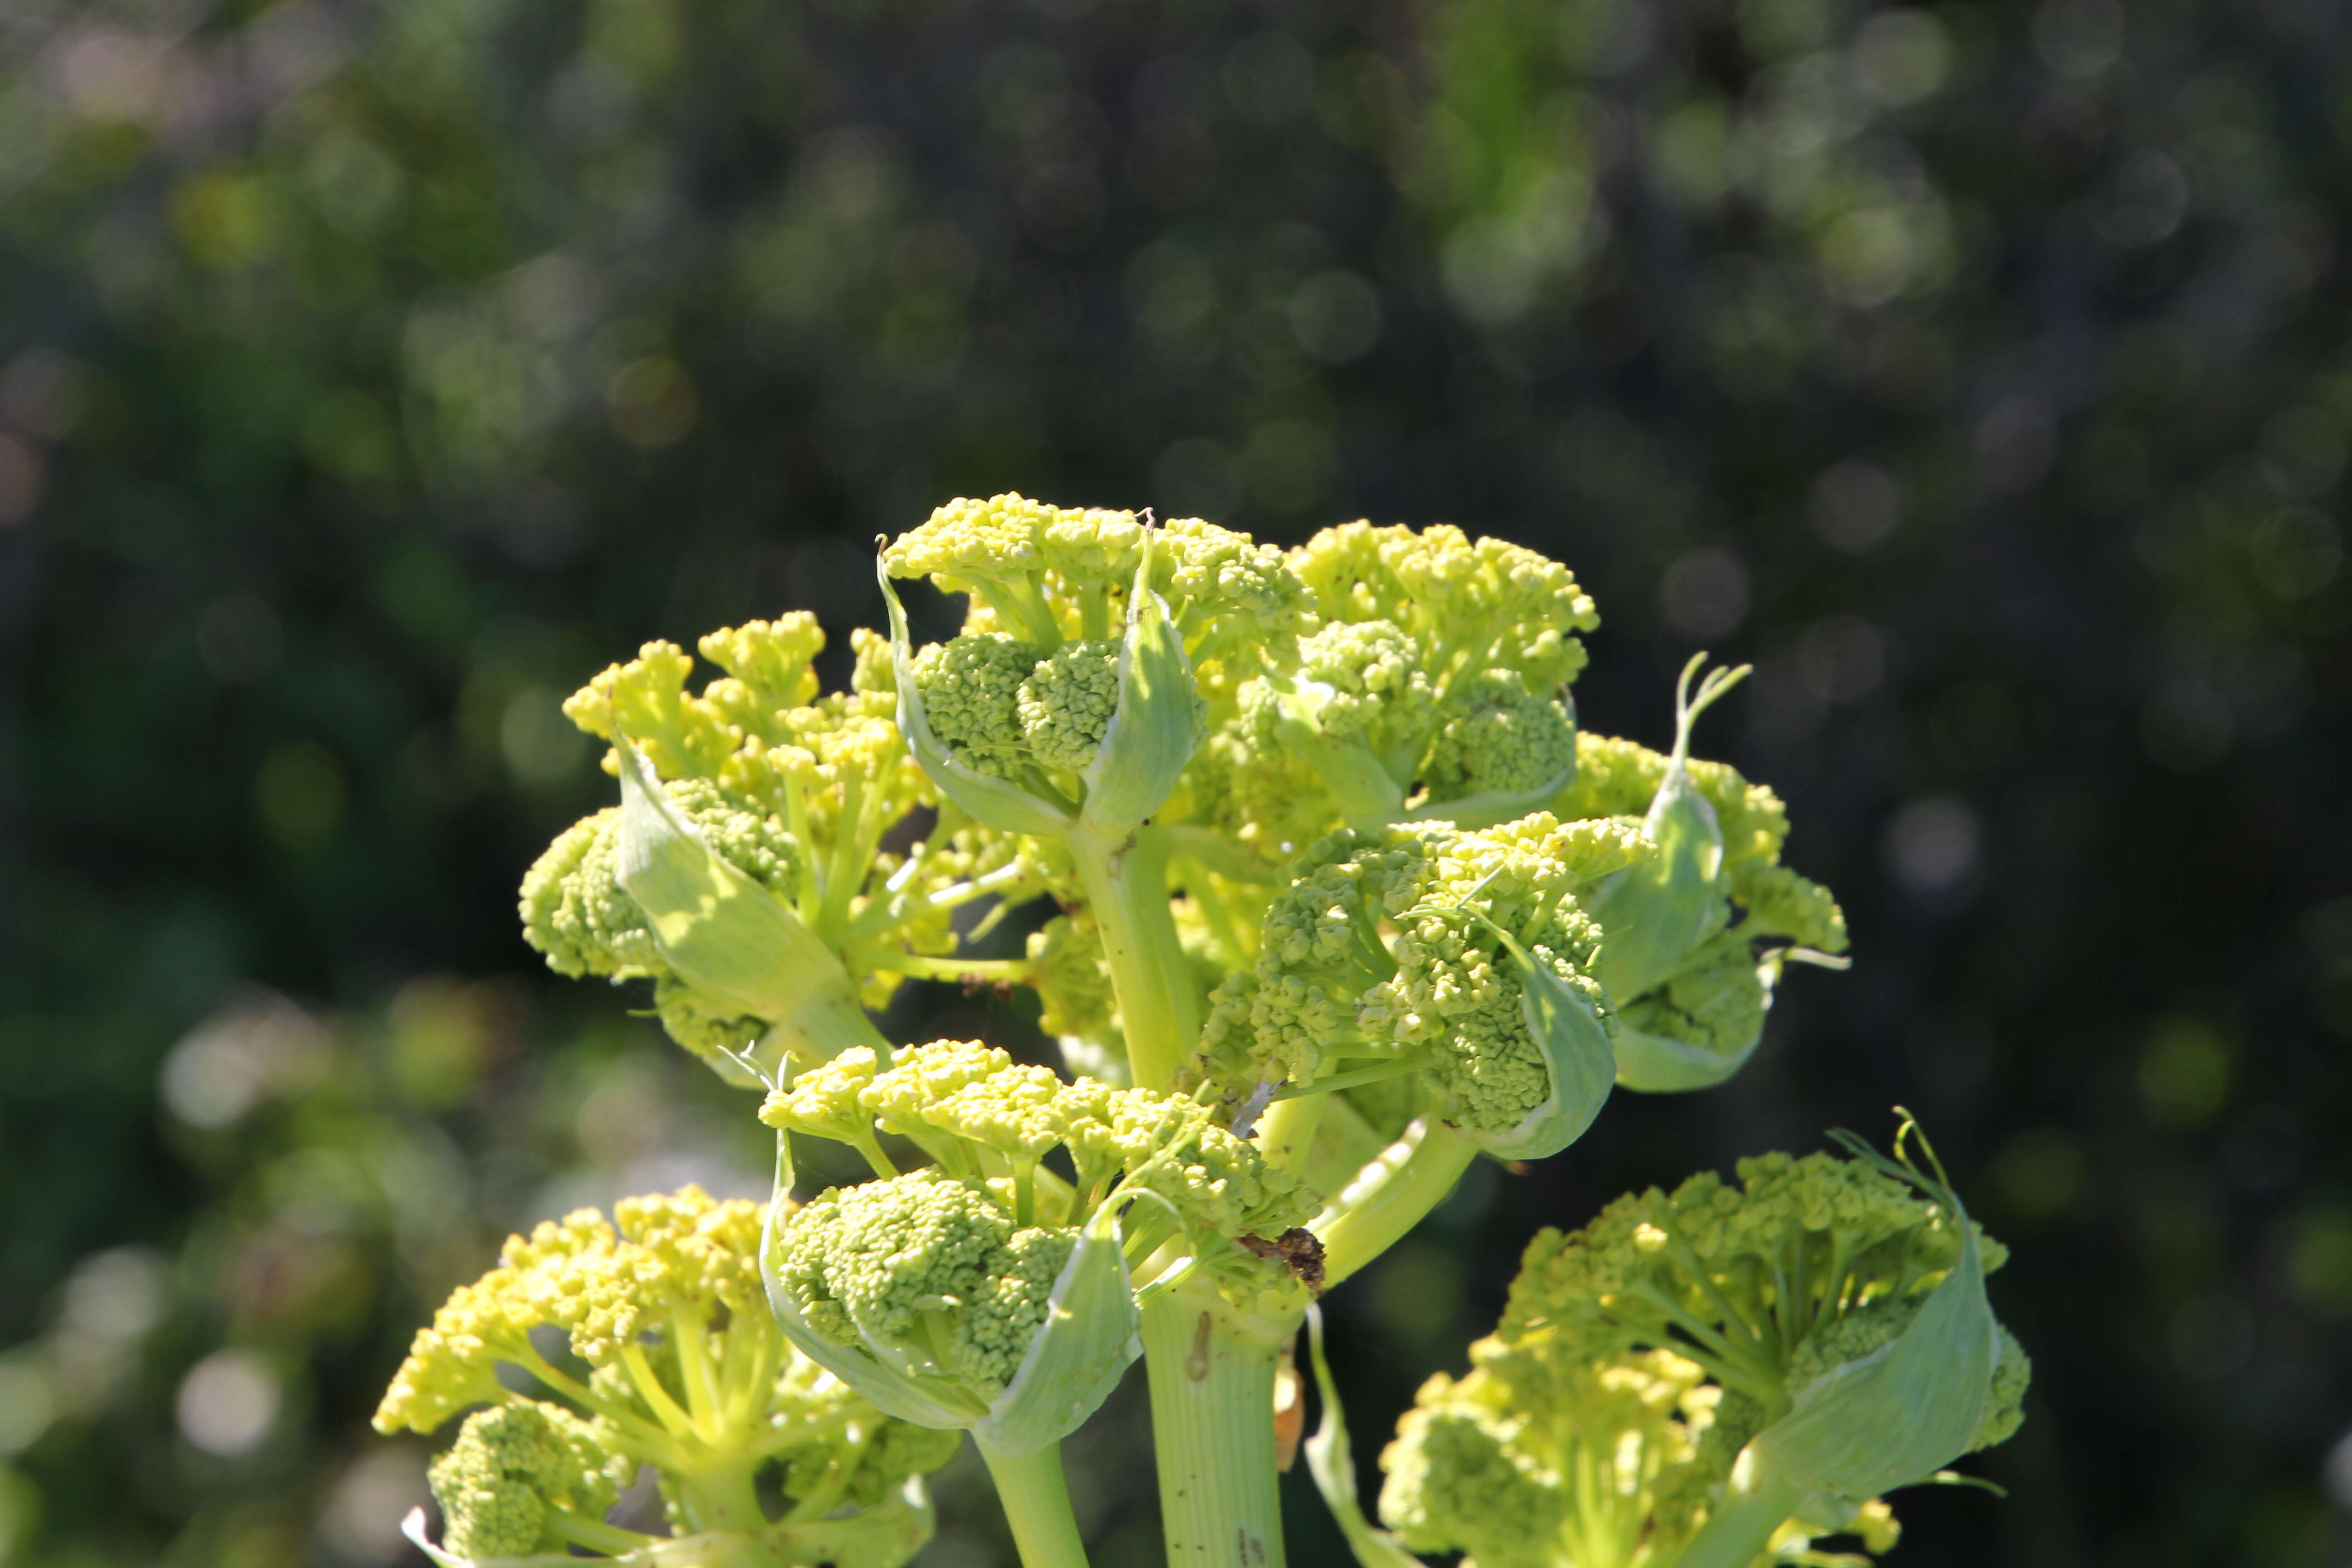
1696, 934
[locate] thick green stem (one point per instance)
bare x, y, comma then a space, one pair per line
1127, 887
1212, 1374
1390, 1196
1036, 1505
721, 1497
1761, 1502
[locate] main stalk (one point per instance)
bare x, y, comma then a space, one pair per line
1212, 1374
1211, 1368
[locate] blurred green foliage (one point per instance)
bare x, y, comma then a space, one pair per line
371, 374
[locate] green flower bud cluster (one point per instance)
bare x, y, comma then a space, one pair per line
1713, 1268
1477, 605
1069, 707
1432, 687
1533, 1461
1410, 950
924, 1260
1655, 1394
1542, 1456
1067, 969
1004, 706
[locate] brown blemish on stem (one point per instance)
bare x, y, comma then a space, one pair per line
1299, 1251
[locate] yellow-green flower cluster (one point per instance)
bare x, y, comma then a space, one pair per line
1048, 573
924, 1259
1341, 879
1696, 939
1537, 1460
687, 1372
1759, 1264
1654, 1371
1474, 605
1777, 1284
1006, 707
521, 1477
988, 1122
796, 790
984, 1292
1543, 1455
1072, 983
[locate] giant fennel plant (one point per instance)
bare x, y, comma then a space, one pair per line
1341, 902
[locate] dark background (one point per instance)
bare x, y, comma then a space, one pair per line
373, 374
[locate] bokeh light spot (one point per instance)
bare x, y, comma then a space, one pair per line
1705, 593
362, 1520
28, 1404
228, 1403
2297, 552
1854, 506
2039, 1173
2184, 1073
1901, 55
300, 794
254, 1045
540, 746
1336, 316
118, 1294
2079, 39
1933, 847
20, 481
652, 401
2319, 1260
239, 639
